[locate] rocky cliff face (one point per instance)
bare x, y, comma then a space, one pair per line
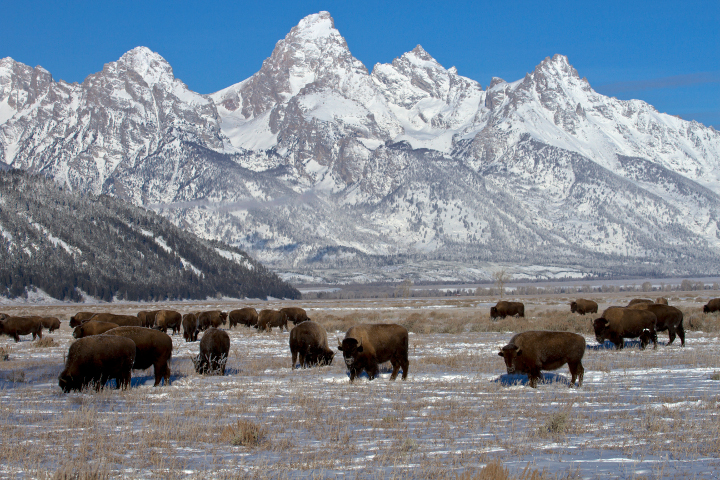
322, 169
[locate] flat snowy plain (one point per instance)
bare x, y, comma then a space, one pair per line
639, 414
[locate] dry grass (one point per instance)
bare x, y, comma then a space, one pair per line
244, 433
45, 342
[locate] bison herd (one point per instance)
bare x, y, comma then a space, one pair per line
109, 346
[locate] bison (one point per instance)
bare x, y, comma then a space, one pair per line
80, 317
502, 309
531, 352
636, 301
168, 319
121, 320
247, 316
618, 323
272, 318
214, 351
661, 301
365, 347
190, 327
96, 360
212, 318
147, 317
16, 326
51, 323
295, 314
152, 347
93, 327
309, 340
583, 306
712, 306
668, 318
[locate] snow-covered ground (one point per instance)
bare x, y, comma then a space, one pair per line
651, 413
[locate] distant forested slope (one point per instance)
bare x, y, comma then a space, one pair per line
66, 243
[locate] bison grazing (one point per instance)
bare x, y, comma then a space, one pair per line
80, 317
668, 318
16, 326
96, 360
214, 351
247, 316
661, 301
636, 301
583, 306
51, 323
503, 309
365, 347
190, 327
712, 306
93, 327
618, 323
122, 320
212, 318
309, 340
267, 319
147, 317
295, 314
168, 319
151, 348
531, 352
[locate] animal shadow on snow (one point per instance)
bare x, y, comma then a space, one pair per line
608, 345
512, 379
383, 368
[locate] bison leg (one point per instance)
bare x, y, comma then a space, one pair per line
353, 374
671, 335
533, 380
681, 334
372, 370
16, 337
294, 358
577, 371
405, 364
396, 369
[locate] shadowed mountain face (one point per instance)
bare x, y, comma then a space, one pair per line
323, 170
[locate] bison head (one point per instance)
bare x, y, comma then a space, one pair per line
706, 309
645, 338
601, 326
78, 332
510, 352
325, 357
351, 349
223, 317
68, 383
573, 307
493, 312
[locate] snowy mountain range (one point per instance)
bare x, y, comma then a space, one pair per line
325, 171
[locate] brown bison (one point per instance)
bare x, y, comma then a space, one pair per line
152, 348
247, 316
618, 323
147, 317
168, 319
583, 306
295, 314
16, 326
121, 320
93, 327
712, 306
96, 360
531, 352
503, 309
661, 301
636, 301
51, 323
212, 318
190, 327
309, 340
214, 351
80, 317
668, 318
267, 319
365, 347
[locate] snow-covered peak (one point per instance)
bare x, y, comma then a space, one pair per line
151, 66
315, 26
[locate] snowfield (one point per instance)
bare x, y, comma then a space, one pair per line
639, 414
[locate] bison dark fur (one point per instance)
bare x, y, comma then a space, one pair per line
93, 327
147, 317
636, 301
168, 319
16, 326
583, 306
296, 315
121, 320
152, 348
531, 352
618, 323
247, 316
51, 323
190, 327
503, 309
668, 318
712, 306
211, 318
309, 341
80, 317
366, 346
214, 351
267, 319
96, 360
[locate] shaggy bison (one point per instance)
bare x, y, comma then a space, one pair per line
152, 347
168, 319
267, 319
122, 320
247, 316
214, 351
212, 318
147, 317
712, 306
96, 360
661, 301
583, 306
295, 314
618, 323
309, 340
503, 309
93, 327
366, 346
51, 323
636, 301
668, 318
190, 327
80, 317
16, 326
531, 352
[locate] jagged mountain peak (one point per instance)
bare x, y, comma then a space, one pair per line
317, 25
151, 66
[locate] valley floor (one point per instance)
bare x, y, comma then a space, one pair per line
639, 414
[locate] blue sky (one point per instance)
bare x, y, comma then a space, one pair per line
666, 53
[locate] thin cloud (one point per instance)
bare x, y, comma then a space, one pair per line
656, 83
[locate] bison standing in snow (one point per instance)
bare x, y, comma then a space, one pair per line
247, 316
503, 309
214, 351
531, 352
97, 359
152, 348
295, 314
619, 323
267, 319
365, 347
190, 327
712, 306
16, 326
168, 319
309, 340
583, 306
668, 318
79, 318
